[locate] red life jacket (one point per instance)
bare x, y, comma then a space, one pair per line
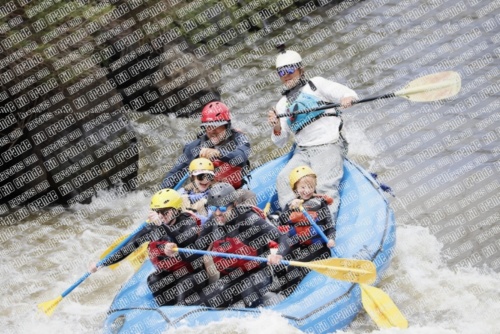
163, 262
235, 246
302, 226
225, 172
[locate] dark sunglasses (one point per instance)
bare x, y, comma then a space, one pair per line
163, 212
214, 208
200, 177
286, 70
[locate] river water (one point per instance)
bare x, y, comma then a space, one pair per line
442, 161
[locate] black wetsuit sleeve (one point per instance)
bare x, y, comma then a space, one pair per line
284, 218
149, 233
185, 235
266, 232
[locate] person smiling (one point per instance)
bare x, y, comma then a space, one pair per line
317, 134
168, 224
227, 148
194, 194
238, 230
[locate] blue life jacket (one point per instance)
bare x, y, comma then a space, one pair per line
304, 101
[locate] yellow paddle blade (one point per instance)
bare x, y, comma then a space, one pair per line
381, 308
350, 270
432, 87
267, 208
110, 248
48, 307
138, 257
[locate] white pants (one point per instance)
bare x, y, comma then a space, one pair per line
326, 161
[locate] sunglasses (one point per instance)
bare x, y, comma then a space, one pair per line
200, 177
286, 70
163, 212
214, 208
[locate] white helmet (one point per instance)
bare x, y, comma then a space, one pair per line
288, 57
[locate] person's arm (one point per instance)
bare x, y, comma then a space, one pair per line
333, 91
185, 236
284, 218
179, 170
148, 233
267, 232
280, 134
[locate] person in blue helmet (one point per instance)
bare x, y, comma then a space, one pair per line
238, 230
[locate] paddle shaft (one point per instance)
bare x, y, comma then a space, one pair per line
100, 263
318, 229
116, 249
225, 255
313, 223
262, 259
335, 105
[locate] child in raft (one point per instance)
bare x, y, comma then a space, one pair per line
305, 243
194, 195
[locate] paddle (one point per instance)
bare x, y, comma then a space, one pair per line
137, 257
428, 88
48, 307
351, 270
376, 302
381, 308
267, 208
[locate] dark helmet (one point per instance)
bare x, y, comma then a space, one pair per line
221, 194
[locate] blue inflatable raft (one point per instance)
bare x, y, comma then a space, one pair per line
365, 230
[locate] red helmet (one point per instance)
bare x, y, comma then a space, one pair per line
215, 113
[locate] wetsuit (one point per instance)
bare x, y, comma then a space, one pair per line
175, 278
248, 234
230, 167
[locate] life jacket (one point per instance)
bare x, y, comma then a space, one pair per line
300, 121
300, 225
195, 197
163, 262
235, 246
224, 171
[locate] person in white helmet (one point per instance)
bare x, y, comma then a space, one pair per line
317, 134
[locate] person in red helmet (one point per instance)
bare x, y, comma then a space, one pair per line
227, 148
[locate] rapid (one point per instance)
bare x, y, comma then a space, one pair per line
441, 159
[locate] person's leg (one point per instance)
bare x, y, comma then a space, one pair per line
285, 192
160, 282
327, 162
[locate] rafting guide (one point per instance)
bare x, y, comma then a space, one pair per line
317, 134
